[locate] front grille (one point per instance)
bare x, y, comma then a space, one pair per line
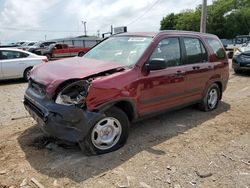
34, 108
37, 87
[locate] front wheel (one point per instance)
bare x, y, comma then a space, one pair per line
211, 99
108, 134
81, 54
26, 74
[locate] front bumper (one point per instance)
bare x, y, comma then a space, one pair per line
241, 63
69, 123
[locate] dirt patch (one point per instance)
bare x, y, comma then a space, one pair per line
185, 148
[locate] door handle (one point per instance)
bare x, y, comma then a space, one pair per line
180, 73
196, 67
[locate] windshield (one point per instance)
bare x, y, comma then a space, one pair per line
37, 44
125, 50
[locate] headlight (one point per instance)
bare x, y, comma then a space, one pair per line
73, 94
237, 52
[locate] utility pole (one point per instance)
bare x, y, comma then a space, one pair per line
203, 16
45, 37
85, 30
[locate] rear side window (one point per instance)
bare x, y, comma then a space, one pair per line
216, 47
13, 55
169, 50
195, 51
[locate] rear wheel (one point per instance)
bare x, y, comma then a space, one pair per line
108, 134
26, 73
211, 99
80, 54
48, 56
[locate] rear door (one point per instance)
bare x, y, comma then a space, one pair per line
162, 89
198, 68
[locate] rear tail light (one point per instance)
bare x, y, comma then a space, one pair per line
45, 60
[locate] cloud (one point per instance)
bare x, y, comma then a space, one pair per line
62, 15
100, 14
19, 14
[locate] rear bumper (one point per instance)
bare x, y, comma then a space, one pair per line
69, 123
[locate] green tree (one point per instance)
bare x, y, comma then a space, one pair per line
168, 22
226, 18
188, 20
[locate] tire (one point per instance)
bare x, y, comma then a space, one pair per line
237, 71
48, 56
115, 125
26, 74
211, 99
80, 54
230, 55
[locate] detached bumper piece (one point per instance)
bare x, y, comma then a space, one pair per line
69, 123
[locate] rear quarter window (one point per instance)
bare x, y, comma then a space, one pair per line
216, 47
195, 50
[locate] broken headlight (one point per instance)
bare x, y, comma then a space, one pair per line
73, 94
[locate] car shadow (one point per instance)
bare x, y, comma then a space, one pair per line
73, 164
243, 74
12, 81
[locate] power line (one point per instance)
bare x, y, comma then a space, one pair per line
144, 13
39, 30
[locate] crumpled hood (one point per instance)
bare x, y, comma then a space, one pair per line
52, 74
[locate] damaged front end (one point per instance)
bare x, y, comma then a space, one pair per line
64, 117
74, 94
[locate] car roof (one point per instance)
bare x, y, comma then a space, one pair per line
17, 50
154, 34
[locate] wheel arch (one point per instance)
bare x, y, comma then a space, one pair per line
220, 87
126, 105
214, 81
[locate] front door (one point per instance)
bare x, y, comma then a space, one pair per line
162, 89
11, 64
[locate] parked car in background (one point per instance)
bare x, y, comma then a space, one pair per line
16, 63
91, 100
241, 59
12, 45
39, 45
26, 45
60, 50
238, 42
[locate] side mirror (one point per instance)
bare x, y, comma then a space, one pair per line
156, 64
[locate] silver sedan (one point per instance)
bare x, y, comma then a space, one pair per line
16, 63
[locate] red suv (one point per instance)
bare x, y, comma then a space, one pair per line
92, 99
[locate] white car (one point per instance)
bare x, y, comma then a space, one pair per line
16, 63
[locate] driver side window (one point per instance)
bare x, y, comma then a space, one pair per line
169, 50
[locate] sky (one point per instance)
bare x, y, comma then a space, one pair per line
37, 20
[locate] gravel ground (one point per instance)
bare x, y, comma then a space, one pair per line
185, 148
